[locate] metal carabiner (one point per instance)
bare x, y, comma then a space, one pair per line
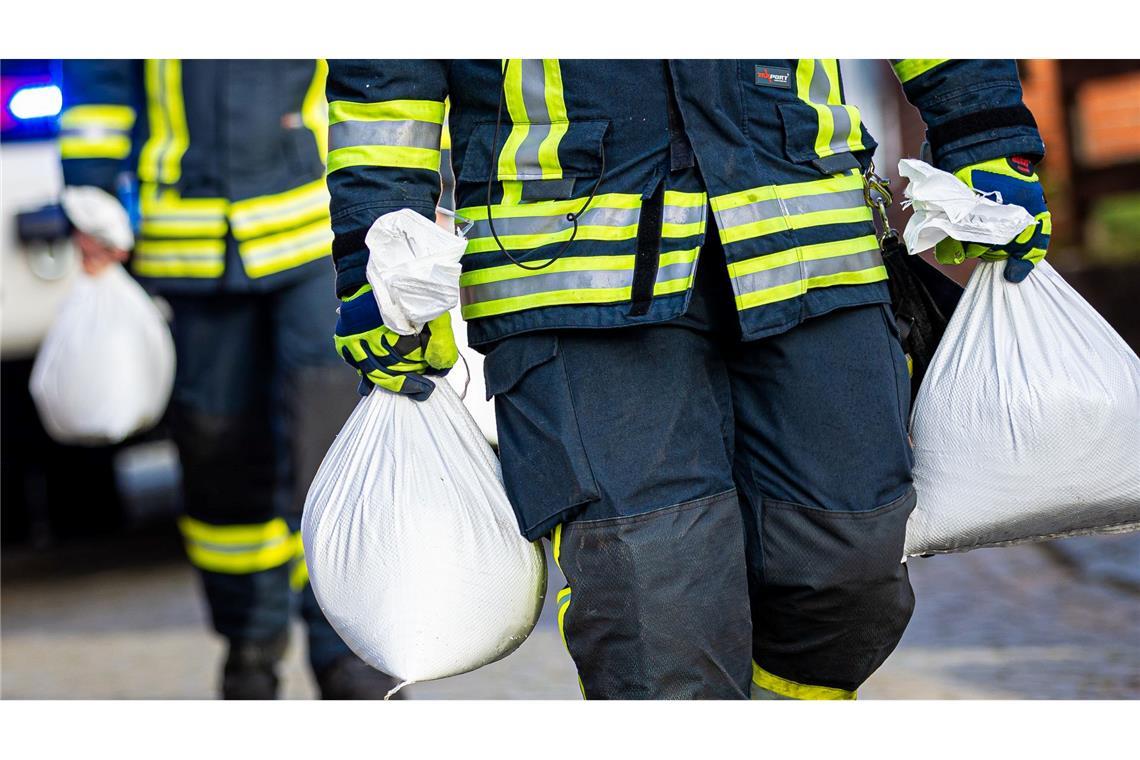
877, 194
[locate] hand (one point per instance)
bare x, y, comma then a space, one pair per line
385, 358
1018, 184
96, 256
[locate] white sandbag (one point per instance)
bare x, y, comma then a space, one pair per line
414, 552
105, 369
1027, 425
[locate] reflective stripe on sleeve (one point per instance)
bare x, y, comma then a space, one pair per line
96, 131
907, 69
394, 133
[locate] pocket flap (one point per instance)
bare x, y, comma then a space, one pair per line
579, 151
801, 131
508, 362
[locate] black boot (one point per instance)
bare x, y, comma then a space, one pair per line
349, 677
251, 668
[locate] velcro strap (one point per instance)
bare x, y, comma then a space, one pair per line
648, 257
980, 121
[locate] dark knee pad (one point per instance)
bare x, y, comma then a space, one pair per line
658, 602
833, 597
228, 465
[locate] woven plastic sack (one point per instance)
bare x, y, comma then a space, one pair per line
414, 552
105, 369
1027, 425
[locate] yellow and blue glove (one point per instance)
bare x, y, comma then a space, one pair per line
1017, 181
384, 358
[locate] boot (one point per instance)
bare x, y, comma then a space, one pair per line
250, 671
349, 677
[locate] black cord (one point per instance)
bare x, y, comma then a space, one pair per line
491, 175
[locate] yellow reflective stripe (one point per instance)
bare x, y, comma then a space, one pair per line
556, 543
837, 184
237, 549
114, 147
793, 690
523, 242
384, 155
551, 208
578, 296
179, 258
804, 71
387, 110
277, 253
791, 290
569, 264
682, 199
559, 121
315, 109
264, 214
908, 68
115, 117
299, 574
513, 94
795, 222
166, 214
803, 253
161, 157
233, 535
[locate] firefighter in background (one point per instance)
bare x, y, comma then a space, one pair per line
234, 232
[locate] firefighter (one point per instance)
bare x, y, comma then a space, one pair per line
700, 393
234, 233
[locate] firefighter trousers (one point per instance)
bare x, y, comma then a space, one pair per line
729, 515
259, 396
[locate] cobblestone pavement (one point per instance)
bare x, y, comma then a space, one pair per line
1024, 622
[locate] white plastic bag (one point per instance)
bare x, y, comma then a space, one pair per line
1027, 425
414, 552
106, 367
945, 206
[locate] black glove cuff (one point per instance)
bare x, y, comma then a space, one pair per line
978, 122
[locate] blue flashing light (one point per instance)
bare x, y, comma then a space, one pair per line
38, 102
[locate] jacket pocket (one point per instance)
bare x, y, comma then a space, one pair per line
546, 159
546, 472
832, 138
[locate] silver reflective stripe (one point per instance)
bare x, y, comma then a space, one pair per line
407, 133
802, 270
803, 204
291, 245
537, 114
548, 225
818, 92
93, 132
683, 214
591, 279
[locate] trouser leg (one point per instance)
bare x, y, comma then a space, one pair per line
622, 439
314, 393
823, 464
220, 423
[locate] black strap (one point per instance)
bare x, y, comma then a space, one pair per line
648, 257
981, 121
